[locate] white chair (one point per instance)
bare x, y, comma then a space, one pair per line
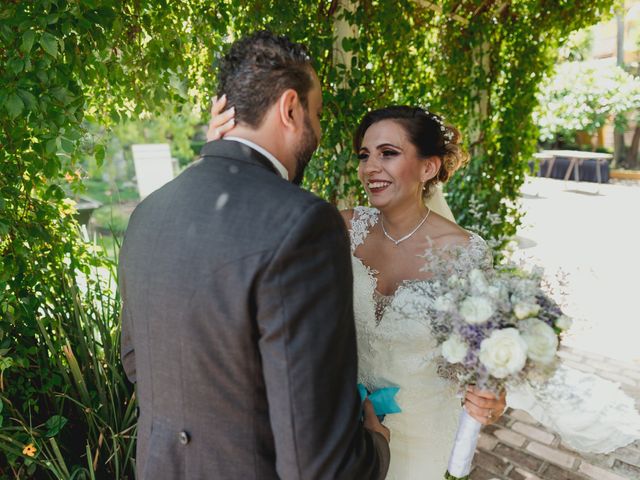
153, 165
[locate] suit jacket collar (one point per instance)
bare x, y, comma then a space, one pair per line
276, 163
237, 151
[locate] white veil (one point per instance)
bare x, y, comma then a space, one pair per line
438, 203
591, 414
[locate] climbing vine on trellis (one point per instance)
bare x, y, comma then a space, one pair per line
64, 64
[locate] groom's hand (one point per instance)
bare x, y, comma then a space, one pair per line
372, 423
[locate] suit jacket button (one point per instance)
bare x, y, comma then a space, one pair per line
184, 438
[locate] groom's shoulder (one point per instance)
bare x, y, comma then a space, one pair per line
301, 206
301, 202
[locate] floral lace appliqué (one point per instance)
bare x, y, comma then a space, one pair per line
363, 219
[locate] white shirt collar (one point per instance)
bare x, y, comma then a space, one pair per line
276, 163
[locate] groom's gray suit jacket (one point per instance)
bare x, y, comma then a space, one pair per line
238, 329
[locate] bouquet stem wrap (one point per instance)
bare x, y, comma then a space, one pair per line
464, 446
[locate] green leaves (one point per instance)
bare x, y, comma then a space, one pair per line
14, 105
28, 98
582, 96
49, 44
15, 65
348, 44
54, 425
67, 145
99, 154
28, 38
51, 146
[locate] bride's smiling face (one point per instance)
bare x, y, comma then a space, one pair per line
390, 168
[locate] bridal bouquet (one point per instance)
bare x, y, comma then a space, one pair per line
494, 328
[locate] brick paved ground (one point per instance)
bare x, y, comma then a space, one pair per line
519, 448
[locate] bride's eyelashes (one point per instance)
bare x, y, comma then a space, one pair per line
385, 153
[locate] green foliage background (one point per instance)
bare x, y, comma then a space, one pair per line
66, 65
583, 96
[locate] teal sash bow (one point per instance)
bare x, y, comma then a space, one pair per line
383, 399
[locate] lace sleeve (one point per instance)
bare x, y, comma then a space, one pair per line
480, 253
363, 219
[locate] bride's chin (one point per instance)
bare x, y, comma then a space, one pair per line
376, 202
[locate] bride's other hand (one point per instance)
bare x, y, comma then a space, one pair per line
484, 406
221, 121
372, 423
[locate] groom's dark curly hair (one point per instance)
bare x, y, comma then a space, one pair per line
257, 69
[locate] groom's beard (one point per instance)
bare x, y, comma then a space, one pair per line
308, 145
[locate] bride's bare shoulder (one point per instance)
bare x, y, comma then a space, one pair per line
347, 216
448, 233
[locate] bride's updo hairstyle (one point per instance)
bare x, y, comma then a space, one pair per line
427, 132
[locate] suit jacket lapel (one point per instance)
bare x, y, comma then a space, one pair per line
237, 151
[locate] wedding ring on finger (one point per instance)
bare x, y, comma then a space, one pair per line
490, 416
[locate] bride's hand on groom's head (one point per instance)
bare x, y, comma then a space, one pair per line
484, 406
221, 120
371, 421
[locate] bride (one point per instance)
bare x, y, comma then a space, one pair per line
404, 152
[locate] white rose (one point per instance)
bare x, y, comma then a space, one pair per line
478, 281
564, 322
454, 281
454, 349
475, 309
498, 292
504, 352
444, 303
541, 340
524, 310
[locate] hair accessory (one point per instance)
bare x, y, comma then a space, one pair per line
447, 133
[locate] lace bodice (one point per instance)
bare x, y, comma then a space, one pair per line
396, 348
475, 255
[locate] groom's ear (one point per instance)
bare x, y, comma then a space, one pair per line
430, 168
290, 109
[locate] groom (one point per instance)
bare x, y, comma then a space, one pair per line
237, 324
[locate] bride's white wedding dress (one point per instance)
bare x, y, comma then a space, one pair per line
397, 349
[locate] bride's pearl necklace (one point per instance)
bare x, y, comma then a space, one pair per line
407, 236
